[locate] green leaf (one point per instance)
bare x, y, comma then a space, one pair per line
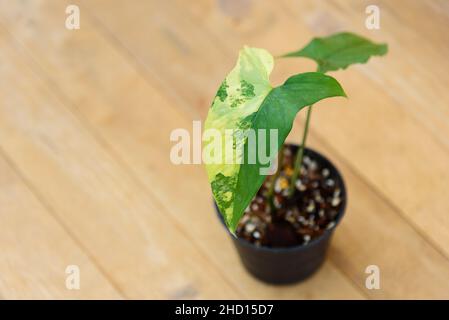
245, 101
339, 51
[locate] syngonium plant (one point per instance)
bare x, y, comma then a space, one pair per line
246, 101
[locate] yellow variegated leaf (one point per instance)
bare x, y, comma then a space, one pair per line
239, 96
246, 101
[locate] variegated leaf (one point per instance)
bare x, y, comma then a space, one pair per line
246, 100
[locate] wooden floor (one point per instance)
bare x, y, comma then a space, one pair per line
85, 174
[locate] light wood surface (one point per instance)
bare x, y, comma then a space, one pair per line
85, 174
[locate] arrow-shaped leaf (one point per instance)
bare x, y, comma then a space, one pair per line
340, 50
245, 103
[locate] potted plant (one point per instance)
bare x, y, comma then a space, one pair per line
280, 220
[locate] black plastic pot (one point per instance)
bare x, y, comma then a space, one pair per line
292, 264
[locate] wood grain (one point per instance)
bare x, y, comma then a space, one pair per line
36, 249
87, 114
111, 113
114, 217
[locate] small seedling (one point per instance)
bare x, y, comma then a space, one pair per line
255, 118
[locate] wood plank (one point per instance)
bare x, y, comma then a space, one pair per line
114, 98
373, 233
36, 250
132, 239
410, 125
415, 77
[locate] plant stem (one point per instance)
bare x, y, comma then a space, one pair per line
270, 194
300, 153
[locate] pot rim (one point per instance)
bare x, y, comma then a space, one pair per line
313, 242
